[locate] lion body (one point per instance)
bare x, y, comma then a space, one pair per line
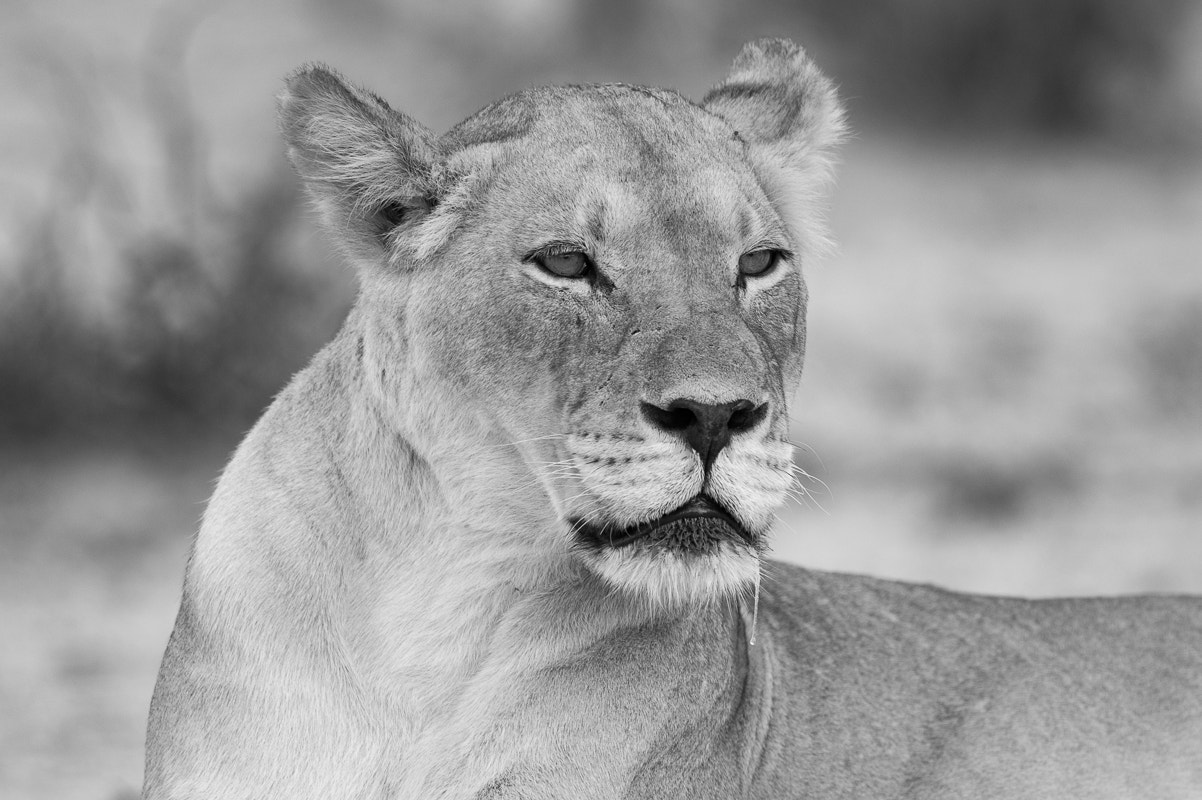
427, 572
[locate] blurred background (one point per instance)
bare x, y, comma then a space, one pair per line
1004, 389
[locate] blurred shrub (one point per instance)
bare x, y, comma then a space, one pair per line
203, 349
213, 309
55, 365
1167, 355
1060, 65
996, 488
1012, 65
191, 346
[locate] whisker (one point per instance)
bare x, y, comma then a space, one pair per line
517, 442
810, 450
791, 528
805, 498
801, 472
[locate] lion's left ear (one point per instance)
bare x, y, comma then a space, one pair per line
790, 116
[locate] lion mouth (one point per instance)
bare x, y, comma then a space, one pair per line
698, 526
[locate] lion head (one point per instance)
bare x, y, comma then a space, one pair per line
585, 306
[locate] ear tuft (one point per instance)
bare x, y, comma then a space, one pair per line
360, 160
789, 114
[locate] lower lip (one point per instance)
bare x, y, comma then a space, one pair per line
697, 522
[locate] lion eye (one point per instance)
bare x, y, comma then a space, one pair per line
758, 262
573, 264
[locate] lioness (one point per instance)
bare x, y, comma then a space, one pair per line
503, 537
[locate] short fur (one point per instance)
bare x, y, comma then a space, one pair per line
387, 598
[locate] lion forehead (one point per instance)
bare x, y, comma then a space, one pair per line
645, 127
591, 163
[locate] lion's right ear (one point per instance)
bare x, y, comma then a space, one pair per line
368, 168
789, 115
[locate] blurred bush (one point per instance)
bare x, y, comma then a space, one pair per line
1167, 354
190, 347
1044, 65
210, 306
53, 366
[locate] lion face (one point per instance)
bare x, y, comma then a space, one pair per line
609, 280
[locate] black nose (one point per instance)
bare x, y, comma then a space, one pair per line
706, 427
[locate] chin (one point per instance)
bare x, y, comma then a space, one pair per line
694, 555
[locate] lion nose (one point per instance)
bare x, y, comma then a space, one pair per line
707, 427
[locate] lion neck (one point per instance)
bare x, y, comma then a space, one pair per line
427, 560
443, 606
